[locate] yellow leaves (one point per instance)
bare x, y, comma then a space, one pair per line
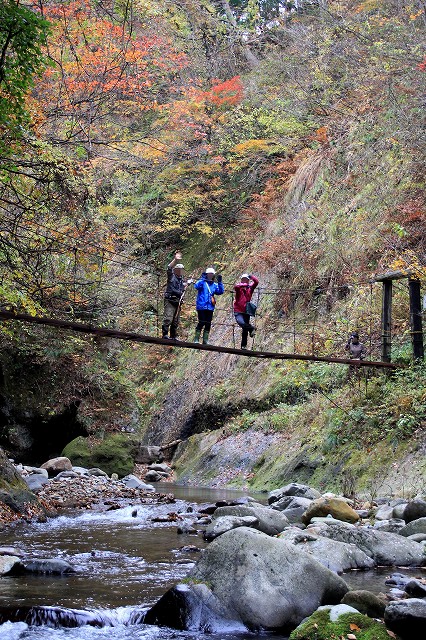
252, 146
354, 627
204, 228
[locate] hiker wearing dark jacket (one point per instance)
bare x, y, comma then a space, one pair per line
207, 289
355, 347
175, 289
243, 294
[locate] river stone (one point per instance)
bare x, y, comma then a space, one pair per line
94, 471
270, 522
81, 471
160, 467
384, 512
414, 510
415, 588
387, 549
220, 525
37, 470
8, 564
415, 526
391, 526
336, 556
291, 502
293, 489
133, 482
56, 465
398, 510
294, 516
336, 507
256, 580
153, 476
48, 565
147, 454
366, 602
407, 618
193, 608
35, 481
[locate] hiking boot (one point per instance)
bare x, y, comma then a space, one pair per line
197, 335
252, 331
206, 337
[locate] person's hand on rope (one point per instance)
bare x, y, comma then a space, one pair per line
219, 277
178, 256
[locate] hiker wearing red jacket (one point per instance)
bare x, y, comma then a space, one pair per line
243, 293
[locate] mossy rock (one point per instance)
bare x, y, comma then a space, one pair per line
14, 491
78, 451
115, 454
319, 627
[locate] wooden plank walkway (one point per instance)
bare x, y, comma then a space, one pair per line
137, 337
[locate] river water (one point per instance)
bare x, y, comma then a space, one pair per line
124, 562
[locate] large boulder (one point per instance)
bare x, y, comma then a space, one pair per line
407, 618
270, 522
115, 454
336, 556
336, 507
387, 549
248, 578
56, 465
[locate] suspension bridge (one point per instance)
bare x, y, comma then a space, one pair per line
88, 286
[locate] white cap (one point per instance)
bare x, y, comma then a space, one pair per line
179, 266
210, 270
245, 275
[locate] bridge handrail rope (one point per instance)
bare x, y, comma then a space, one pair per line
136, 337
153, 290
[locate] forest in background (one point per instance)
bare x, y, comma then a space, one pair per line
286, 138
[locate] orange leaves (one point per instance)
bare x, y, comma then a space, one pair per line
103, 61
229, 92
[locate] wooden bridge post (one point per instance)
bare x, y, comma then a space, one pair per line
416, 319
387, 320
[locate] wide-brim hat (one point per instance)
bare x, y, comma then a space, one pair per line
210, 270
245, 275
179, 266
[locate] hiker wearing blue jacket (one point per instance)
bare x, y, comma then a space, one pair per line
207, 289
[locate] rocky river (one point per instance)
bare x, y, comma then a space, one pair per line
125, 559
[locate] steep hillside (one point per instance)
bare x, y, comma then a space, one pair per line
289, 145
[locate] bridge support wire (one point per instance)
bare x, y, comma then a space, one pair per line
137, 337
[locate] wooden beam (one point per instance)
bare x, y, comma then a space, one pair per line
416, 319
137, 337
393, 275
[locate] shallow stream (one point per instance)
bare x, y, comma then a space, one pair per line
124, 563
